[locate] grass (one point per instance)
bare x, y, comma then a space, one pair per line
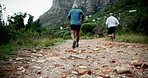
8, 51
138, 38
130, 37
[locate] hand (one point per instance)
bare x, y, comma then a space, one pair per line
82, 21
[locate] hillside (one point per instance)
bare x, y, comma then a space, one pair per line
132, 15
57, 14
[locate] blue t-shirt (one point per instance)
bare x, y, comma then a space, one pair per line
75, 16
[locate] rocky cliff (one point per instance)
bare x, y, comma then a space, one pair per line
57, 14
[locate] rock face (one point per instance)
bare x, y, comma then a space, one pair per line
57, 14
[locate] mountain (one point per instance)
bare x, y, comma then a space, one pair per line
57, 14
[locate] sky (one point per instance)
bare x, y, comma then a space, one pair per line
33, 7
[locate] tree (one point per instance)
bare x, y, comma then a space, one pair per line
2, 9
30, 21
17, 20
36, 25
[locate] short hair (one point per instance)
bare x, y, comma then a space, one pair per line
111, 14
74, 6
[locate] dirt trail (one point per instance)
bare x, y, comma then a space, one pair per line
95, 58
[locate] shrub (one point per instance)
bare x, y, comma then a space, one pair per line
98, 30
88, 27
7, 34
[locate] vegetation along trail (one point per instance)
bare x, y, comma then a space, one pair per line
95, 58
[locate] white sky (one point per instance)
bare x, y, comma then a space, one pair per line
33, 7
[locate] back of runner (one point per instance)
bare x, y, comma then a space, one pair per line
74, 16
111, 23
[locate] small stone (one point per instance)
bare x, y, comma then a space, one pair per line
132, 53
129, 66
120, 51
130, 47
82, 50
113, 61
57, 65
103, 57
40, 77
46, 77
38, 55
69, 50
19, 58
26, 66
84, 71
103, 76
10, 59
39, 72
107, 76
64, 76
122, 69
85, 76
104, 66
41, 61
74, 72
33, 60
78, 56
136, 63
21, 68
89, 51
75, 51
121, 77
19, 73
52, 58
144, 65
37, 67
130, 75
34, 51
83, 67
96, 49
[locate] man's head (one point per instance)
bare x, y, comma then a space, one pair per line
74, 6
111, 14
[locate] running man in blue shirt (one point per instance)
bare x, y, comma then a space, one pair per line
74, 16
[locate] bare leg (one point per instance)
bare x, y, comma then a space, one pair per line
73, 38
72, 34
78, 36
110, 35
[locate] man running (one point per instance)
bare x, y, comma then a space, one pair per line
74, 16
111, 23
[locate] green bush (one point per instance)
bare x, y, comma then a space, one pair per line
88, 27
7, 34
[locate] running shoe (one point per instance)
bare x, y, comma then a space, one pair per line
113, 36
74, 44
77, 44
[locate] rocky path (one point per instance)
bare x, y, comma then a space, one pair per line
95, 58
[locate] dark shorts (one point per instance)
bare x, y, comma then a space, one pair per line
111, 30
75, 27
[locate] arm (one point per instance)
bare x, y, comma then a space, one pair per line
82, 16
117, 22
107, 22
69, 17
